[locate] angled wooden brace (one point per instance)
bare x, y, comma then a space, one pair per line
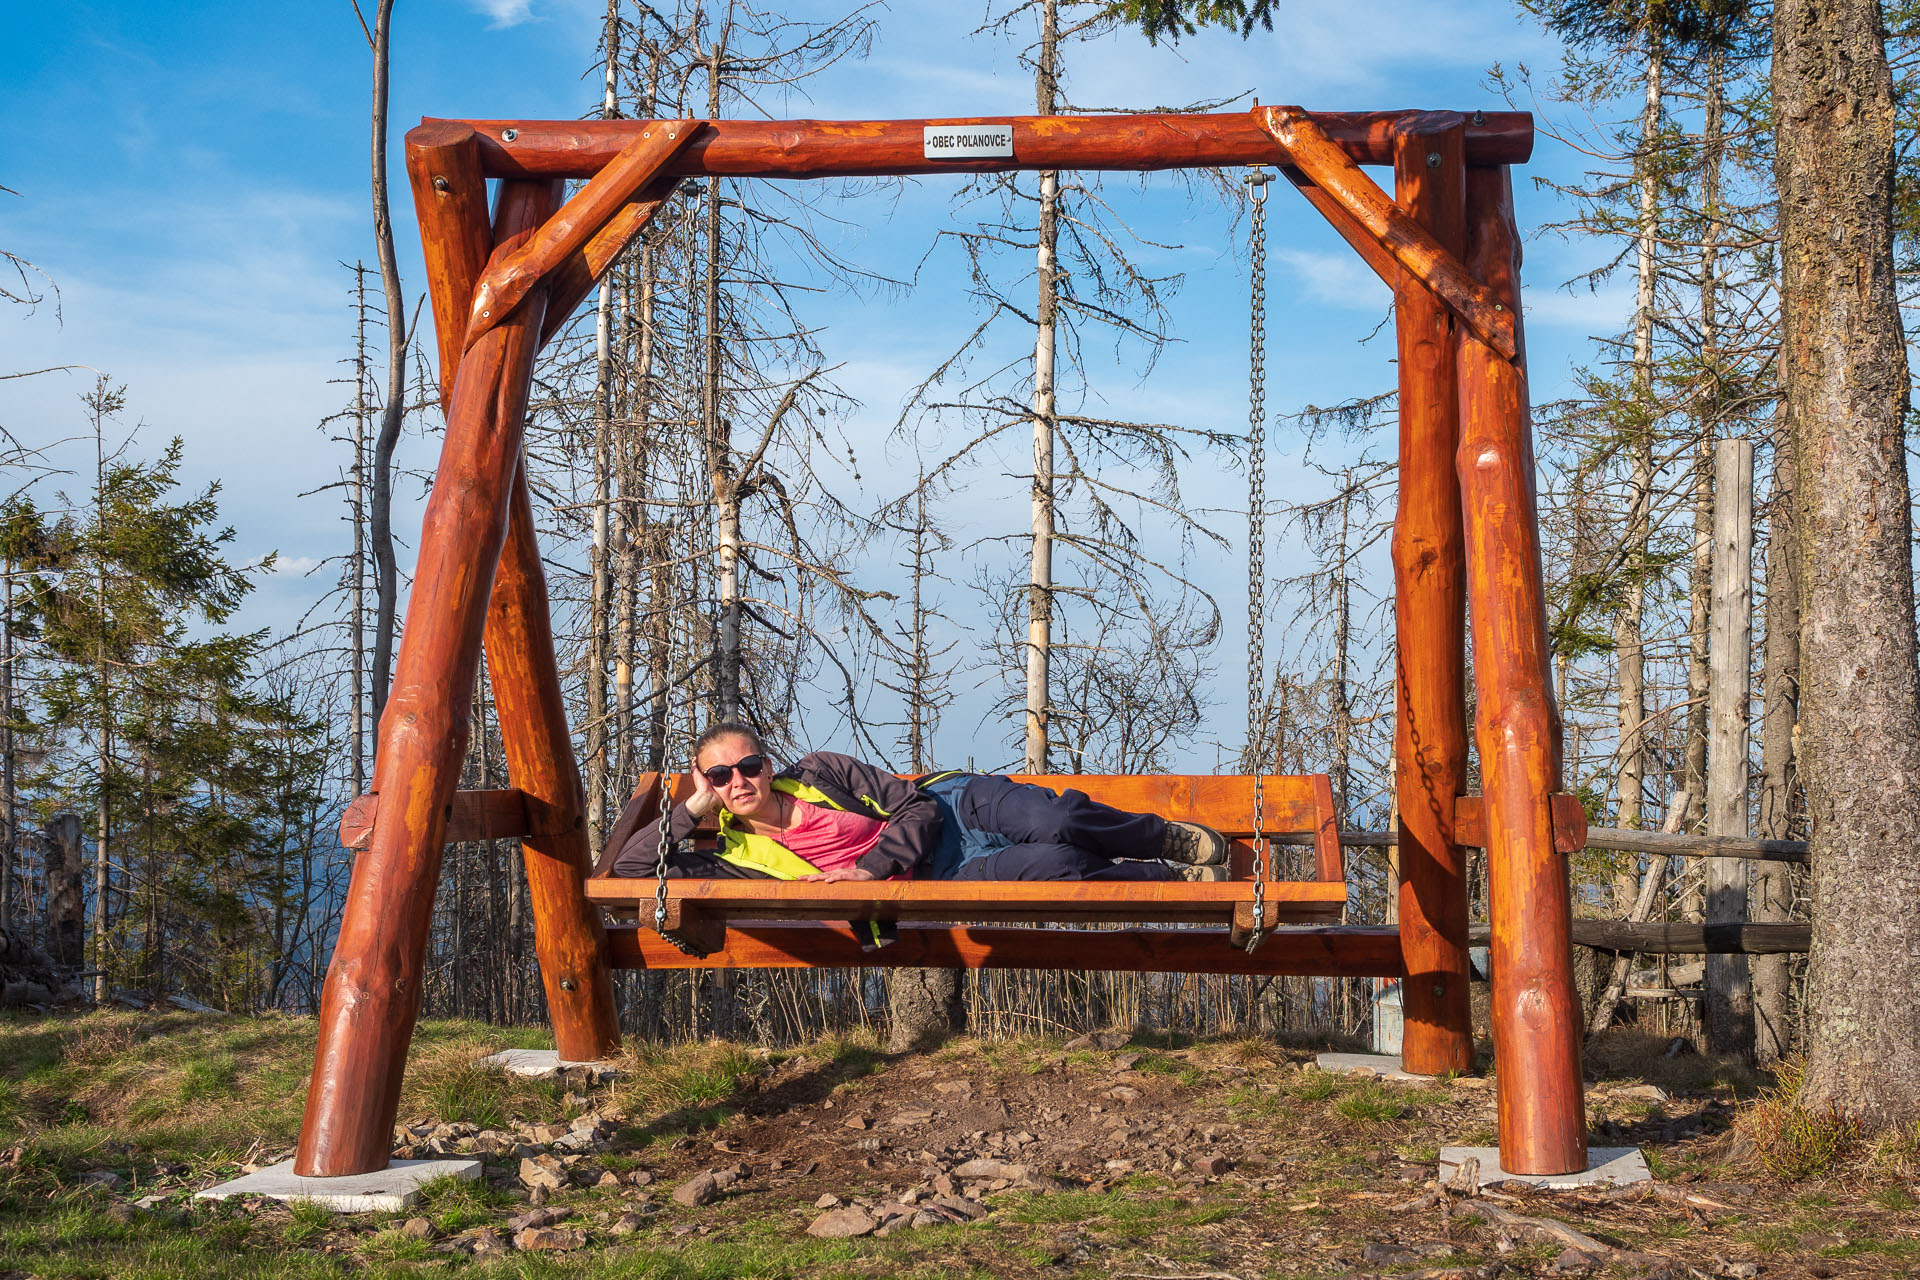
1422, 257
576, 225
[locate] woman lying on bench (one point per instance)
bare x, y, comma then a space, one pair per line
831, 817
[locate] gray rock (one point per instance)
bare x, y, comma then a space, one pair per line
550, 1239
993, 1169
627, 1223
103, 1178
533, 1218
417, 1229
542, 1171
827, 1201
840, 1224
702, 1188
1212, 1166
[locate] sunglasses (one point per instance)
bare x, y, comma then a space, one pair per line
749, 766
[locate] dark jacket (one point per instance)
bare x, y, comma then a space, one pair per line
823, 777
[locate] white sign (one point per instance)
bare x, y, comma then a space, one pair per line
968, 141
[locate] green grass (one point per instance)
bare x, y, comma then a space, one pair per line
1315, 1086
1372, 1103
1894, 1199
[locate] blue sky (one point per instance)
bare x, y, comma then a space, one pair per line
191, 176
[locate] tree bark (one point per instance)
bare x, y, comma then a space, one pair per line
925, 1006
66, 892
600, 608
1844, 371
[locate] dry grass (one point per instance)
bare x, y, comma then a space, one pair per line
1793, 1141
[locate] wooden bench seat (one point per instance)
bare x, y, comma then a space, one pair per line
699, 911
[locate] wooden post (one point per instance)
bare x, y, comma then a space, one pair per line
567, 932
1729, 1020
1536, 1015
1429, 609
372, 993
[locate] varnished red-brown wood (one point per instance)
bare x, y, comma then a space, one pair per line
1337, 952
842, 148
1570, 831
1536, 1014
575, 224
450, 197
1430, 619
505, 814
1221, 801
532, 714
575, 278
1358, 238
1076, 901
1419, 255
372, 992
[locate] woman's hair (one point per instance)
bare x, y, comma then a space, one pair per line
728, 729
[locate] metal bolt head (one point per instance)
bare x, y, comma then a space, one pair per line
509, 135
441, 185
1479, 117
1433, 159
1439, 989
566, 984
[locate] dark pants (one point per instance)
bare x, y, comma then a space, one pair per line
998, 829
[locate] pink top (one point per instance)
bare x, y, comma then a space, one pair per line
830, 838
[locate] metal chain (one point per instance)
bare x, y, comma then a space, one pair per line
664, 846
1257, 180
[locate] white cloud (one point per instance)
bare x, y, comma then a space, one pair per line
505, 13
1337, 278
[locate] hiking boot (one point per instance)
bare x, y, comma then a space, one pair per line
1194, 845
1201, 875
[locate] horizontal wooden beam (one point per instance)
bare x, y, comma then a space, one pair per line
1659, 938
473, 815
1325, 952
844, 148
995, 901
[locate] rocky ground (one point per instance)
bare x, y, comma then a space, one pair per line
1119, 1156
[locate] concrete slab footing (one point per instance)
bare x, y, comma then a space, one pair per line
537, 1063
385, 1190
1606, 1166
1385, 1065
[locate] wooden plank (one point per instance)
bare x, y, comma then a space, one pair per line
1536, 1012
1420, 255
1083, 901
1356, 952
507, 280
374, 981
1430, 618
844, 148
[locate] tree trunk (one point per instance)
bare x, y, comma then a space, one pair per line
1729, 1012
600, 608
1844, 371
1771, 890
1628, 631
357, 578
924, 1006
1046, 273
393, 412
66, 893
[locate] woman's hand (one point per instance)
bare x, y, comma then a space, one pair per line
704, 799
839, 874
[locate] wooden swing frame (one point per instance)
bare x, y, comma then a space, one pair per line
1466, 528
